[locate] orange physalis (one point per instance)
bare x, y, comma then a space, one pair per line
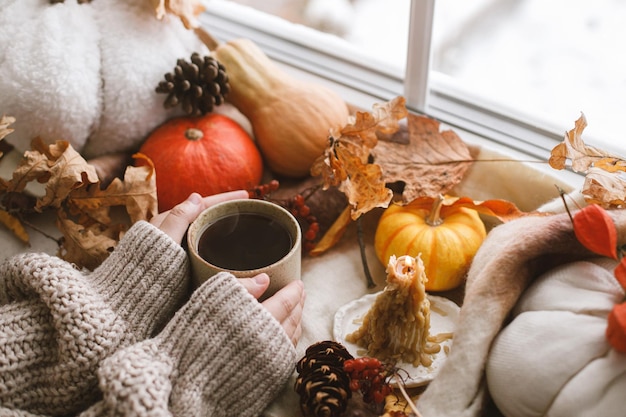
615, 329
595, 229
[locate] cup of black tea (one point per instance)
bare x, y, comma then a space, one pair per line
246, 237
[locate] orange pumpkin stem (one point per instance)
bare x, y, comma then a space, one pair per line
193, 134
434, 217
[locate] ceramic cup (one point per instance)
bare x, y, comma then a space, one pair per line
236, 236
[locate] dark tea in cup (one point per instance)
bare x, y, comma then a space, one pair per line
244, 241
246, 237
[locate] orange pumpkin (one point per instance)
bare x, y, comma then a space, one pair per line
447, 237
208, 155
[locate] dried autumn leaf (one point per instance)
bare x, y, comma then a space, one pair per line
5, 122
500, 209
59, 166
345, 164
33, 167
186, 10
605, 188
573, 148
137, 194
503, 210
85, 246
364, 187
605, 181
13, 224
84, 209
382, 120
333, 234
431, 163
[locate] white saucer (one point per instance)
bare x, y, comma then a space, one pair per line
443, 317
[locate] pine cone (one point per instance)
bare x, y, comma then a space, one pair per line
197, 86
323, 385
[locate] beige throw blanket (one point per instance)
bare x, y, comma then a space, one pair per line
511, 257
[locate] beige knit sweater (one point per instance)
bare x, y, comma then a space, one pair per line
126, 339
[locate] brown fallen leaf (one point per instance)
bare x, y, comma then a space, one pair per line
91, 218
85, 246
431, 163
135, 194
13, 224
85, 220
345, 163
582, 156
333, 234
5, 122
59, 166
186, 10
605, 179
383, 147
605, 188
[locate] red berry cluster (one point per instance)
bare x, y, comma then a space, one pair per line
263, 190
297, 206
369, 376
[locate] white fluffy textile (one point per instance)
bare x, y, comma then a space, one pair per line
86, 73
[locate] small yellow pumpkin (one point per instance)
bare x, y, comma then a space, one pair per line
446, 236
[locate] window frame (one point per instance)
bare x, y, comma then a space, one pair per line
362, 79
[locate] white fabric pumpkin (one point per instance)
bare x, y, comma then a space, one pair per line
87, 73
553, 359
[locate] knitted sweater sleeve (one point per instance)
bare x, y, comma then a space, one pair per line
145, 266
58, 323
222, 354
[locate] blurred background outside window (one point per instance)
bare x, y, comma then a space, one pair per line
546, 61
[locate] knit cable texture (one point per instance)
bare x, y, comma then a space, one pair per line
222, 354
57, 323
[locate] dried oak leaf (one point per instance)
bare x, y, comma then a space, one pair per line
89, 232
59, 166
605, 180
345, 163
186, 10
85, 246
136, 194
428, 161
5, 122
84, 210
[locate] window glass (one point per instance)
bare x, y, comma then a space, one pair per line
543, 62
548, 59
377, 28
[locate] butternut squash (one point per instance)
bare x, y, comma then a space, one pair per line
291, 118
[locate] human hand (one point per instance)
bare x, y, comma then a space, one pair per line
175, 222
286, 305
